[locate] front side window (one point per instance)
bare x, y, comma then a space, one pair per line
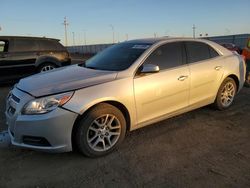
2, 46
167, 56
117, 57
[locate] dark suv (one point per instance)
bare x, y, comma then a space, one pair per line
23, 56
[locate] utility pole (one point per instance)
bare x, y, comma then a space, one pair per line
113, 32
126, 36
73, 37
65, 23
194, 31
85, 40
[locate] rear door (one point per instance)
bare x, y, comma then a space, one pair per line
167, 91
206, 70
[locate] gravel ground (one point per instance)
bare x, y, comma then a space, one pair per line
202, 148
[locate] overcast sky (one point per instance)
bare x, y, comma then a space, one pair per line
135, 18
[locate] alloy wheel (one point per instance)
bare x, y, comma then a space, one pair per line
47, 68
104, 132
227, 94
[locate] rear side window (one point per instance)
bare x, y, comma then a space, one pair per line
50, 45
25, 45
197, 51
213, 53
45, 45
60, 46
167, 56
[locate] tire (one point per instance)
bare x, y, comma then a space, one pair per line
46, 67
100, 131
226, 94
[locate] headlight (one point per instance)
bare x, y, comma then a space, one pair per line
46, 104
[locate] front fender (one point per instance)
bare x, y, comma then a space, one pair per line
120, 91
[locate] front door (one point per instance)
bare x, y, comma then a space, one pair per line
165, 92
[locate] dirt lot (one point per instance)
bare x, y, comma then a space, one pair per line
203, 148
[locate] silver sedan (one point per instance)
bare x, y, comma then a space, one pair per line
132, 84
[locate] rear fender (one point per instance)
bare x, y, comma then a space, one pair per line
47, 59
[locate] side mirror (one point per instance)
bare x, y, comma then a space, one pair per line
150, 68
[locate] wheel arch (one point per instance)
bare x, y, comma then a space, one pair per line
116, 104
236, 79
46, 59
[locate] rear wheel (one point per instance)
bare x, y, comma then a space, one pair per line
226, 94
46, 67
101, 130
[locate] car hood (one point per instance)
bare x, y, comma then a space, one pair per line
64, 79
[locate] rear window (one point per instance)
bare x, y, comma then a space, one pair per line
25, 45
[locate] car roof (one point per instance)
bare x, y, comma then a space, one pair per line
155, 41
26, 37
162, 39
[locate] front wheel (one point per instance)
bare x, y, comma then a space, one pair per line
226, 94
100, 131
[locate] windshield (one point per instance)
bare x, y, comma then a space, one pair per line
117, 57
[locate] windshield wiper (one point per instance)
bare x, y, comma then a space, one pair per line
89, 67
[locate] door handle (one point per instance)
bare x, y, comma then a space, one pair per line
182, 78
217, 68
